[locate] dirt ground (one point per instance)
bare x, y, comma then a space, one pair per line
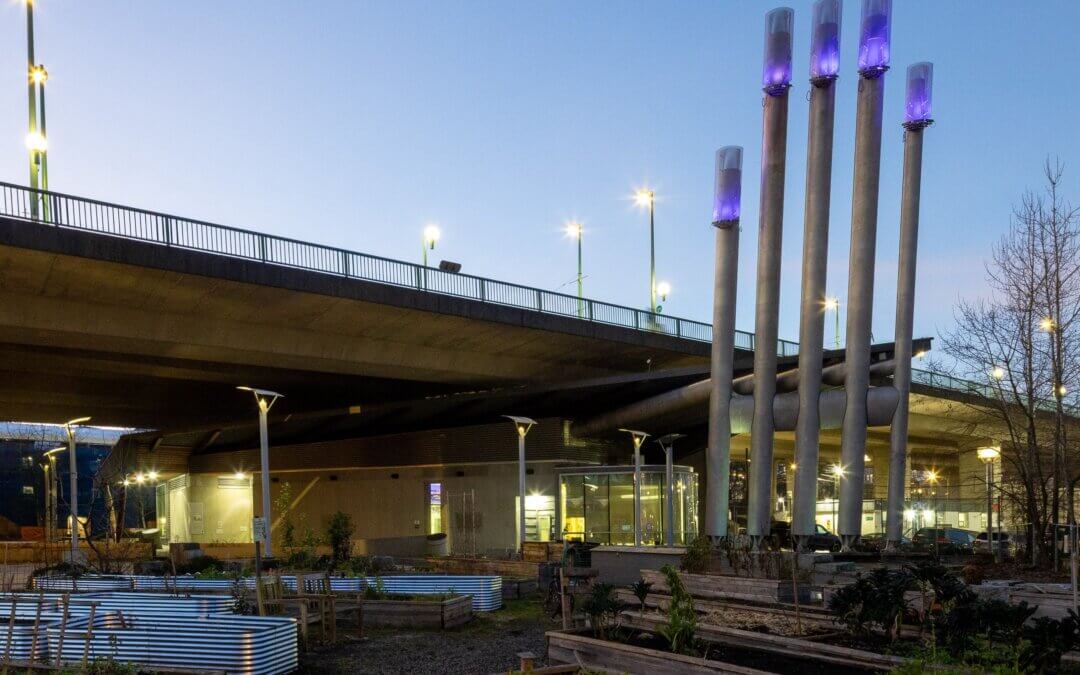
487, 644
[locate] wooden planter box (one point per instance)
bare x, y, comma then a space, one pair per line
777, 644
418, 613
718, 587
811, 615
588, 652
514, 589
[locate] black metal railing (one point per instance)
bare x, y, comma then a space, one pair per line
62, 210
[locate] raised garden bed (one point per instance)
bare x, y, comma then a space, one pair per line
514, 589
781, 645
722, 587
589, 652
418, 612
812, 615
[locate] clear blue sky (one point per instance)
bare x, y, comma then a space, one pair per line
356, 123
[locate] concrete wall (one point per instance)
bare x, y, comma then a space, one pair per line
386, 509
211, 509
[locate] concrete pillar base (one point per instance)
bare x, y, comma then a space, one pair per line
848, 541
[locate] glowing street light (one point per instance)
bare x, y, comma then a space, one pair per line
576, 230
36, 143
874, 33
1046, 324
69, 429
522, 425
431, 237
837, 472
647, 197
265, 400
833, 305
663, 289
988, 456
638, 438
776, 71
998, 373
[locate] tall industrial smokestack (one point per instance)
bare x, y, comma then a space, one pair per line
776, 79
824, 68
917, 116
726, 206
873, 63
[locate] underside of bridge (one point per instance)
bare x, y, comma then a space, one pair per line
142, 335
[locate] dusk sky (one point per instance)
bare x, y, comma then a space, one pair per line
355, 124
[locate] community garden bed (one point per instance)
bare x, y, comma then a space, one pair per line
418, 611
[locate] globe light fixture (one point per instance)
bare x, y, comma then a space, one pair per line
727, 190
825, 40
663, 289
998, 373
776, 73
874, 32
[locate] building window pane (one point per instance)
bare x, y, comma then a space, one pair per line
597, 513
435, 502
573, 508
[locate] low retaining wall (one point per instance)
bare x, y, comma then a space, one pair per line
418, 613
503, 568
623, 565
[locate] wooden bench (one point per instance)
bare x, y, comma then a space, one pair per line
308, 608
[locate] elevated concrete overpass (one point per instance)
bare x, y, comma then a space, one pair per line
143, 331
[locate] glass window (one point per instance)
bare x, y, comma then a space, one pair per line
621, 493
572, 508
435, 501
652, 522
597, 508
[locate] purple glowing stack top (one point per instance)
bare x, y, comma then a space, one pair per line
874, 35
920, 85
776, 75
728, 188
825, 40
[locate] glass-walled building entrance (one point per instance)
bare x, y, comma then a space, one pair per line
597, 505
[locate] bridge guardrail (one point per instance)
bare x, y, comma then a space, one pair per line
63, 210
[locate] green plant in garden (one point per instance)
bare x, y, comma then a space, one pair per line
641, 589
874, 601
682, 618
376, 591
698, 555
339, 532
283, 506
603, 608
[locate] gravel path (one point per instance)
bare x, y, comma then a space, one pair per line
487, 644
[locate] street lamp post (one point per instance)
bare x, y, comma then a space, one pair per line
577, 231
431, 236
50, 492
639, 438
647, 197
69, 429
265, 399
522, 424
669, 489
837, 473
988, 456
833, 305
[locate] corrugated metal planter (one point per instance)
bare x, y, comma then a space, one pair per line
231, 644
25, 647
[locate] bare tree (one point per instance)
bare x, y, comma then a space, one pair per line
1022, 340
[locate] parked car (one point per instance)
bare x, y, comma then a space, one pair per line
1002, 540
947, 540
821, 540
875, 543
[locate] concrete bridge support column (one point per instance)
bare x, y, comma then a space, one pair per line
917, 120
770, 237
864, 208
812, 310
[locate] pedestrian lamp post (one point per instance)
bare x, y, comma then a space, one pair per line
638, 438
265, 400
647, 198
833, 305
663, 289
837, 472
666, 443
50, 492
69, 429
576, 230
522, 425
430, 238
988, 456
